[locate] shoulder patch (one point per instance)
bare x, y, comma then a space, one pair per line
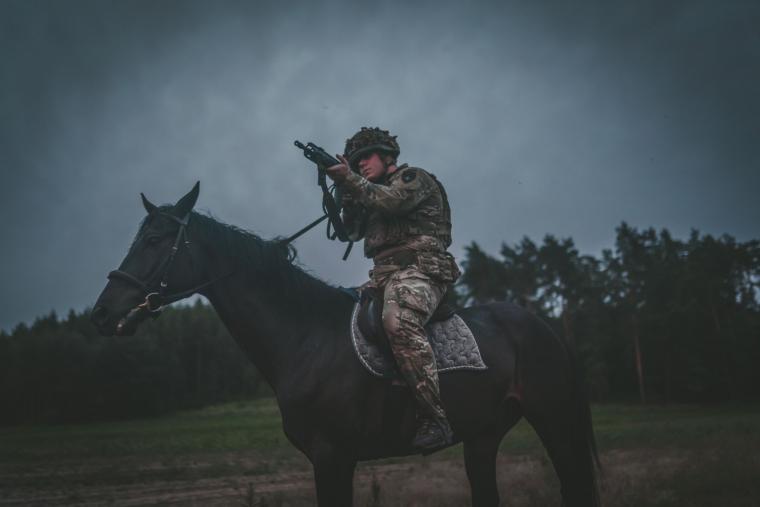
408, 175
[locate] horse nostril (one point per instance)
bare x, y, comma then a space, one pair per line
99, 315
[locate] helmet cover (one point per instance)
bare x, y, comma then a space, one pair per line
369, 140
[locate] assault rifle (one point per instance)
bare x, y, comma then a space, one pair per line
331, 196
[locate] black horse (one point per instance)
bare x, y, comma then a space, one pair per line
295, 328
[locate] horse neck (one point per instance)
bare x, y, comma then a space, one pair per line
273, 331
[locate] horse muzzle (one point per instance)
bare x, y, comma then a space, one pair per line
109, 325
104, 320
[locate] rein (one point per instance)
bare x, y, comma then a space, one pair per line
156, 299
330, 211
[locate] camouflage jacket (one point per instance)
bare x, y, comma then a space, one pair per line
404, 221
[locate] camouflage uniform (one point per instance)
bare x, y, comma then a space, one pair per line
406, 229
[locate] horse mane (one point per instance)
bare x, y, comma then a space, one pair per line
269, 262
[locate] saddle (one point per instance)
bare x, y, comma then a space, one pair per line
454, 346
370, 317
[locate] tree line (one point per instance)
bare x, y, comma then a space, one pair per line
62, 370
655, 318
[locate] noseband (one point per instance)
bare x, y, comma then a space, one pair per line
155, 298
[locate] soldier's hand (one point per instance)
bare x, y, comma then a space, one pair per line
338, 172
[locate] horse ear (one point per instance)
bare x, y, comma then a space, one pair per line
185, 205
149, 206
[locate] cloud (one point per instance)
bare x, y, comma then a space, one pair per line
539, 117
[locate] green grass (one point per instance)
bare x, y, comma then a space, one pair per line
235, 426
675, 426
256, 425
659, 455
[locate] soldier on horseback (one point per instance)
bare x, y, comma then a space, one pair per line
403, 215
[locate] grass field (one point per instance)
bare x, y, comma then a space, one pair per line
236, 454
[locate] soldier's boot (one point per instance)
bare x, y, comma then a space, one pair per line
433, 433
433, 428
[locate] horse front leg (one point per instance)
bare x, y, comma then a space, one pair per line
480, 464
480, 459
333, 475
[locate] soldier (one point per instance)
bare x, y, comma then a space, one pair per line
402, 213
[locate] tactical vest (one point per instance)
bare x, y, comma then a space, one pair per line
443, 226
429, 218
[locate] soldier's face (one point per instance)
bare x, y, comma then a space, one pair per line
372, 167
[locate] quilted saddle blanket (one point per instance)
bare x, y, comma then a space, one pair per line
452, 341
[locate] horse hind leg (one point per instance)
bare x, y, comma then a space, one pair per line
571, 459
554, 402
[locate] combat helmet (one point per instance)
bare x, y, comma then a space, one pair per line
370, 139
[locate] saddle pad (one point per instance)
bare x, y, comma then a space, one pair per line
453, 345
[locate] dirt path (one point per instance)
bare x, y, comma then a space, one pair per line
242, 480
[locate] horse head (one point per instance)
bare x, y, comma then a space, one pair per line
157, 270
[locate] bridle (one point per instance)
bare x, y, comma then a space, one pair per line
156, 298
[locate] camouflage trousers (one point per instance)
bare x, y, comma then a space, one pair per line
409, 299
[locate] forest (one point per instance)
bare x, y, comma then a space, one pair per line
654, 319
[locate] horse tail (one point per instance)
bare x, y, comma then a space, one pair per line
583, 481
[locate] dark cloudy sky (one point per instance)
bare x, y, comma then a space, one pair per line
539, 117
